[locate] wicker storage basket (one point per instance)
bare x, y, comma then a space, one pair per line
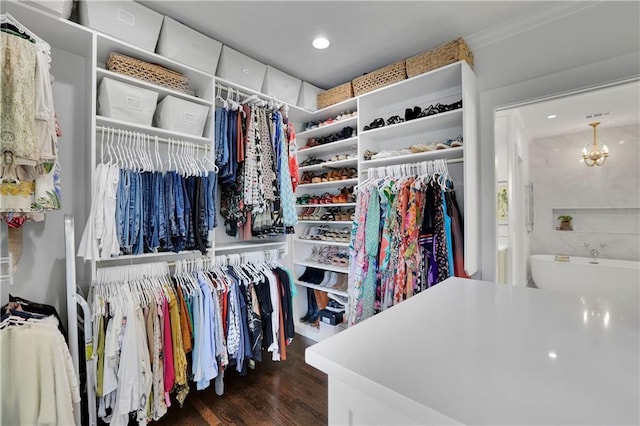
379, 78
334, 95
152, 73
454, 51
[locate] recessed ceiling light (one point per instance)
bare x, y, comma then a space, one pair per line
320, 43
551, 116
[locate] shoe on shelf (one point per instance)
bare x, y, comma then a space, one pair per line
378, 122
333, 279
312, 307
395, 119
340, 299
335, 306
457, 142
412, 113
326, 279
444, 144
318, 276
306, 274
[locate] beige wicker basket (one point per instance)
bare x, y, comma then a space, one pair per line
454, 51
334, 95
152, 73
379, 78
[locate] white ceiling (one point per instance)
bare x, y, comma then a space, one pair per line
364, 35
622, 102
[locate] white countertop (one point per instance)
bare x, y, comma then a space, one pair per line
485, 353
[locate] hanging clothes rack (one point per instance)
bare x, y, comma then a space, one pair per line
246, 95
153, 138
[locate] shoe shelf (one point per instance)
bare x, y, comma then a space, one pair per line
446, 85
319, 332
321, 242
327, 222
321, 288
447, 154
328, 165
330, 148
325, 266
327, 129
329, 184
328, 205
331, 111
419, 90
419, 126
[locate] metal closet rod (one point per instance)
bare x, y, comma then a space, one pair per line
450, 161
172, 263
250, 95
152, 138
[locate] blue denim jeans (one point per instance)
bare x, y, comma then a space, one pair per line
169, 208
137, 214
210, 198
222, 151
122, 204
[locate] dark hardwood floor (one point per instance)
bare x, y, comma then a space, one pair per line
275, 393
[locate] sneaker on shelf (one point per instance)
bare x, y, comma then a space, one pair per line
334, 306
340, 299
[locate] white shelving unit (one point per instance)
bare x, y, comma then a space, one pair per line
343, 146
444, 85
323, 243
350, 162
329, 184
321, 288
302, 248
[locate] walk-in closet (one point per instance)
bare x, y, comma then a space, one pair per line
219, 212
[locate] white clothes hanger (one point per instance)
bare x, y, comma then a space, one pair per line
40, 43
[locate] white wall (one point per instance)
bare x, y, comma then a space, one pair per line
603, 201
575, 51
41, 272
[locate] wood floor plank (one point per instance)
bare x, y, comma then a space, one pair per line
287, 393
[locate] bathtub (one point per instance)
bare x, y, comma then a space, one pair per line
615, 280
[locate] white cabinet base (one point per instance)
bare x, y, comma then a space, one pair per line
351, 406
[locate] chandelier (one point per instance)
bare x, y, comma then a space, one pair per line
596, 156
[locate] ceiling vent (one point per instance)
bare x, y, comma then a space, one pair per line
596, 115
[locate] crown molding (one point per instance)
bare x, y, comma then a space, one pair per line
525, 23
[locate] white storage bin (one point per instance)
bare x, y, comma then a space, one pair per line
126, 102
281, 85
181, 43
308, 97
125, 20
181, 116
241, 69
61, 8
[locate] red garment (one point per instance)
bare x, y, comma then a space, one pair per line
169, 371
293, 155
